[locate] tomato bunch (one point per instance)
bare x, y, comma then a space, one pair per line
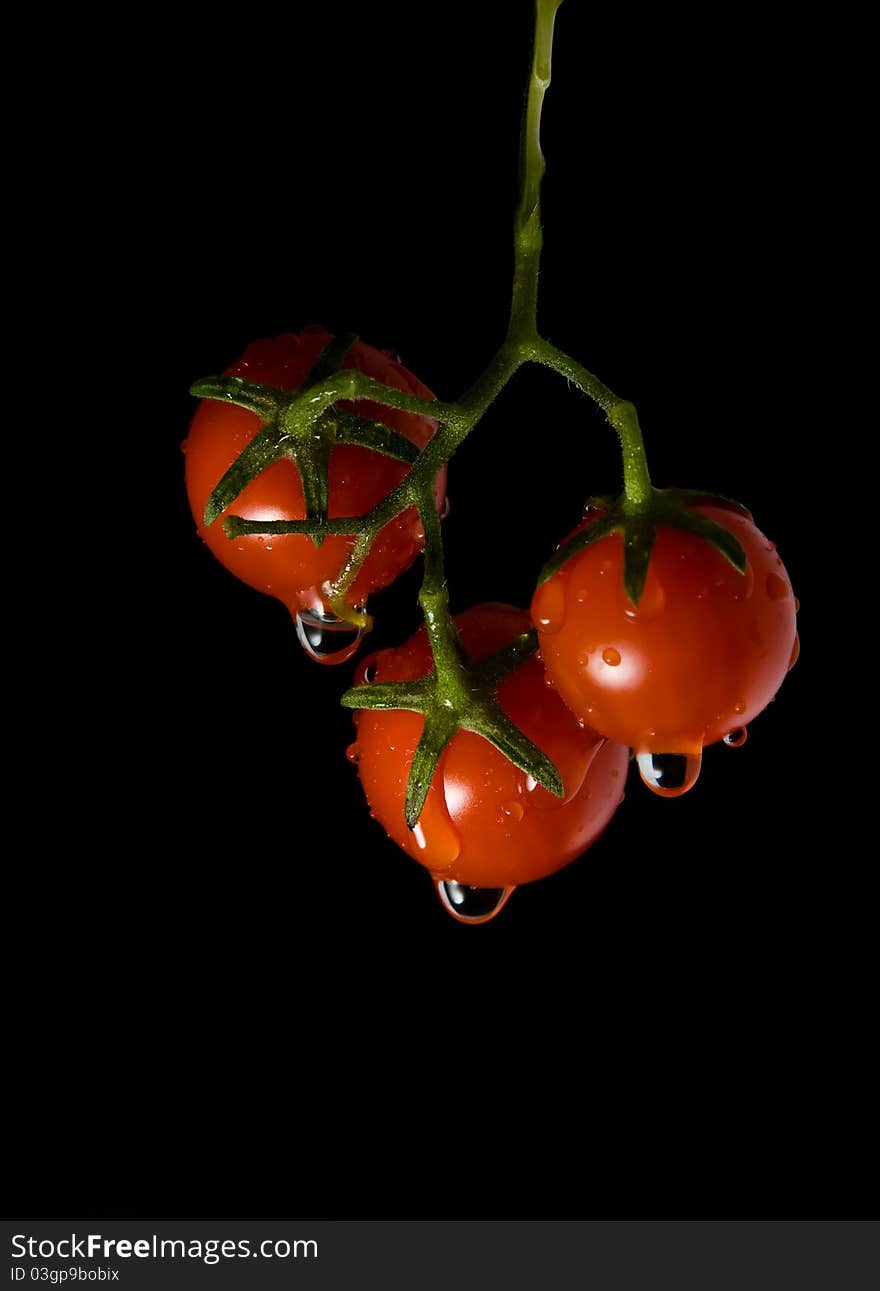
492, 751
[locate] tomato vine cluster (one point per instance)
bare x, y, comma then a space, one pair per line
493, 746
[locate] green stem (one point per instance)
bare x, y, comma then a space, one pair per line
527, 236
456, 420
620, 412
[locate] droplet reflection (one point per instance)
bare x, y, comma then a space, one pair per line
326, 638
472, 905
669, 774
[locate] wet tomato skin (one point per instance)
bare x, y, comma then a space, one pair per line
289, 566
701, 656
484, 823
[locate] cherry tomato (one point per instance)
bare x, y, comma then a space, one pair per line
703, 654
290, 566
486, 824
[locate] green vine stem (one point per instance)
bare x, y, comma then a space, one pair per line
303, 409
304, 423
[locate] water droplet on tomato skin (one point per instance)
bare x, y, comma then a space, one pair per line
445, 508
513, 810
795, 652
797, 606
326, 638
739, 706
611, 656
548, 612
353, 753
669, 774
735, 739
777, 588
472, 905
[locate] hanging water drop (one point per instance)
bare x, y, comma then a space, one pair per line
736, 739
669, 774
326, 638
472, 905
353, 753
445, 508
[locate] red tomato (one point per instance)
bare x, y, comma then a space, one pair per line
486, 824
291, 567
704, 652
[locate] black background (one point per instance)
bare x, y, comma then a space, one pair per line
232, 994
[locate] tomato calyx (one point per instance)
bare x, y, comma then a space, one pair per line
458, 695
302, 425
639, 522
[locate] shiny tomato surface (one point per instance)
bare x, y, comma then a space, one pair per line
290, 566
485, 823
703, 653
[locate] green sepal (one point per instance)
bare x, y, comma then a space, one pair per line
434, 739
701, 495
352, 429
639, 525
410, 695
312, 457
236, 526
263, 400
496, 727
490, 672
710, 531
261, 452
600, 528
331, 358
638, 543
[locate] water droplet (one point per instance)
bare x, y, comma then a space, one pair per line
445, 508
472, 905
514, 810
326, 638
777, 588
736, 739
795, 652
797, 606
669, 774
611, 656
183, 444
549, 607
739, 706
353, 753
370, 672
